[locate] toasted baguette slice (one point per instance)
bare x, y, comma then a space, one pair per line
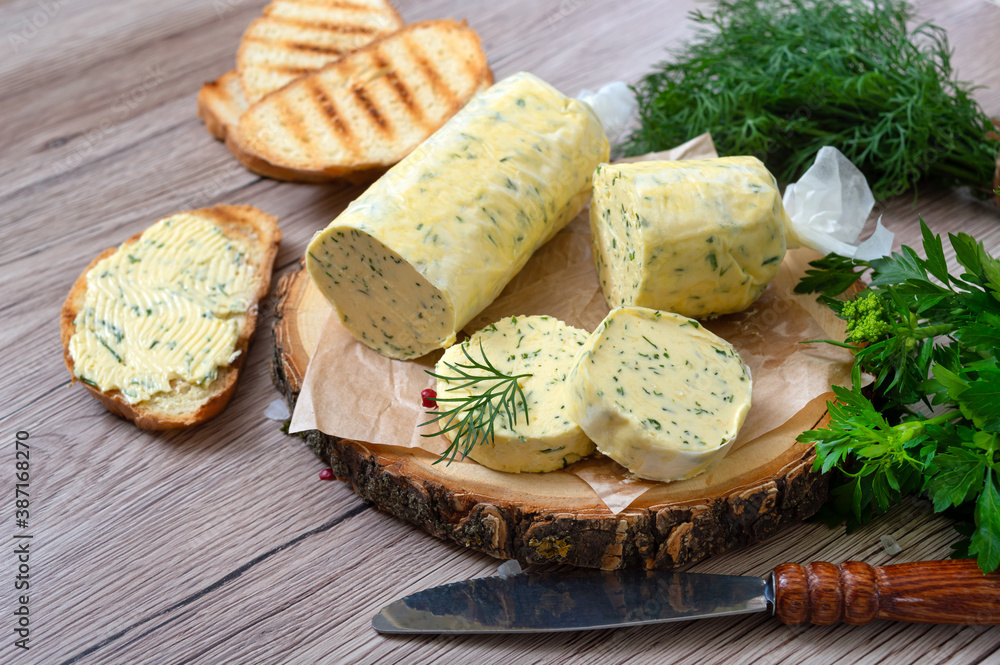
366, 111
294, 37
188, 404
221, 103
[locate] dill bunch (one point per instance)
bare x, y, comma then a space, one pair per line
779, 79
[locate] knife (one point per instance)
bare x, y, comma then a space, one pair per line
952, 592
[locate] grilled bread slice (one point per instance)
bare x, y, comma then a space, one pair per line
253, 235
294, 37
221, 103
366, 111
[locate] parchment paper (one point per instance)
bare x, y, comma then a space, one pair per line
353, 392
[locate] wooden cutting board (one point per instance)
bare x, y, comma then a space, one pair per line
556, 517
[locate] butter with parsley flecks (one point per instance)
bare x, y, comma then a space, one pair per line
658, 393
699, 237
543, 438
163, 308
435, 240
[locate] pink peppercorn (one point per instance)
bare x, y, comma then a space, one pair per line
427, 398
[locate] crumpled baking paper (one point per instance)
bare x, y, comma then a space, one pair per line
829, 206
353, 392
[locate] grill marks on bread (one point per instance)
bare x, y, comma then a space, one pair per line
379, 120
326, 26
371, 107
402, 91
432, 76
297, 36
341, 130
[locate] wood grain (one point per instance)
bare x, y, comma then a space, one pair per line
220, 545
944, 592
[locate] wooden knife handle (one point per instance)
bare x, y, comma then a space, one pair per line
953, 591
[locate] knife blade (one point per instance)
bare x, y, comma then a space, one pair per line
953, 591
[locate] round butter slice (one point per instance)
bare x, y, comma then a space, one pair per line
697, 237
544, 347
658, 393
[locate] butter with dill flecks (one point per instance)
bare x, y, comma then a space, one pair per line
698, 237
163, 308
434, 241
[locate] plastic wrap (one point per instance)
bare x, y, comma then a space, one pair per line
829, 206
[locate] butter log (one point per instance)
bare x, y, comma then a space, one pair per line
435, 240
658, 393
700, 237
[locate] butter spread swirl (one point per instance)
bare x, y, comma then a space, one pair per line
163, 308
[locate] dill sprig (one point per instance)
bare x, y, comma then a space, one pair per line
779, 79
473, 416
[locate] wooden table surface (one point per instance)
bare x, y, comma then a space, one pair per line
220, 544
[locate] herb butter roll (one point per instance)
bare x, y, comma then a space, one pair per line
544, 440
699, 237
435, 240
658, 393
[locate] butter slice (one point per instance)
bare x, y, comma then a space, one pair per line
658, 393
700, 237
544, 347
435, 240
163, 308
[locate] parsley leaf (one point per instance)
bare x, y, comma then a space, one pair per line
831, 275
955, 474
986, 538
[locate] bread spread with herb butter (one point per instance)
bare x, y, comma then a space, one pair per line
697, 237
658, 393
435, 240
158, 327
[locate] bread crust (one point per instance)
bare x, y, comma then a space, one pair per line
243, 221
359, 171
359, 174
220, 104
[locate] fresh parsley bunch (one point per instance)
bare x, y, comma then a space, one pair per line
931, 340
